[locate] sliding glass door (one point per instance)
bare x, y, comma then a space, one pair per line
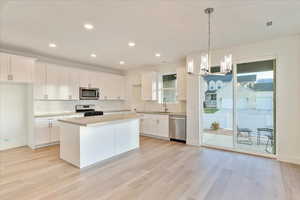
255, 107
238, 109
217, 110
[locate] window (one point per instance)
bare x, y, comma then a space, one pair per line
167, 92
213, 97
212, 85
219, 84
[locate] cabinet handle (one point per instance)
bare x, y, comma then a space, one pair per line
46, 96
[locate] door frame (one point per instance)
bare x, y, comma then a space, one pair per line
234, 96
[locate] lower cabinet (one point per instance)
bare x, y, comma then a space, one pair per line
155, 125
46, 131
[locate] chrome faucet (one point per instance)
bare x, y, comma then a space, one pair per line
165, 105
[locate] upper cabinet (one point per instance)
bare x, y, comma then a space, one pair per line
149, 86
181, 83
55, 82
62, 83
16, 68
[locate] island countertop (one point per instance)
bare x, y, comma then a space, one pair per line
99, 120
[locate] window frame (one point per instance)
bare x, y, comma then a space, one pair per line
161, 89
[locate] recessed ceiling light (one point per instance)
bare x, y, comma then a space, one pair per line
157, 54
52, 45
122, 62
269, 23
88, 26
93, 55
131, 44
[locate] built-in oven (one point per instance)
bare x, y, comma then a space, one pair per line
88, 93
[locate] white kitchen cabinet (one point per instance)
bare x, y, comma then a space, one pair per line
162, 125
148, 124
149, 86
4, 66
16, 68
74, 83
85, 79
56, 88
54, 131
21, 69
42, 132
55, 82
155, 125
181, 83
46, 131
40, 81
112, 87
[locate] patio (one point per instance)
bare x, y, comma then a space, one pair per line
224, 138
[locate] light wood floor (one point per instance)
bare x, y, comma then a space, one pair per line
158, 170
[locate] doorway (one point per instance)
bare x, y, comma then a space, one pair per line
238, 109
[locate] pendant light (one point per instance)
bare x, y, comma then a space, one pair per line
205, 64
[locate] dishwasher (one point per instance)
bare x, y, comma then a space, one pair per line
177, 129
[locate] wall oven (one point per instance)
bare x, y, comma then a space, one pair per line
88, 93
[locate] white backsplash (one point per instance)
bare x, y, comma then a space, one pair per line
42, 107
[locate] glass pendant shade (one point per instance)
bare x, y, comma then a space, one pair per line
204, 66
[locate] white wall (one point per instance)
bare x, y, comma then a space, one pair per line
42, 107
134, 92
14, 115
287, 52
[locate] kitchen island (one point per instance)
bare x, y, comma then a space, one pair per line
88, 140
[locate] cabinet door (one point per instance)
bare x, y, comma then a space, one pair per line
85, 78
4, 65
21, 69
42, 131
54, 132
74, 82
116, 87
181, 83
53, 81
162, 125
40, 83
149, 125
63, 83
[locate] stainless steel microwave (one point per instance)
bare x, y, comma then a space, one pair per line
88, 93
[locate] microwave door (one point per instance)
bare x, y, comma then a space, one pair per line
89, 93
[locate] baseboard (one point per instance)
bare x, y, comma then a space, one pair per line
44, 145
289, 159
154, 136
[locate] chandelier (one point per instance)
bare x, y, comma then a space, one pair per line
205, 64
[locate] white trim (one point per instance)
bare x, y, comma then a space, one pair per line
289, 159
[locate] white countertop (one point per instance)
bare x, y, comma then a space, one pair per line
99, 120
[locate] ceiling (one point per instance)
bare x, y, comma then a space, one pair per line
172, 28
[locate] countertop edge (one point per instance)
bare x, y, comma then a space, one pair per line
97, 123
